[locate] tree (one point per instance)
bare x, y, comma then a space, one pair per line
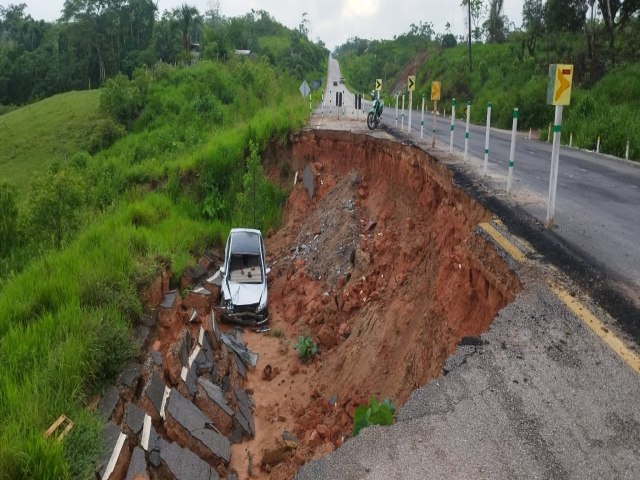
533, 22
250, 200
496, 24
616, 14
475, 9
565, 15
304, 25
8, 219
186, 16
55, 203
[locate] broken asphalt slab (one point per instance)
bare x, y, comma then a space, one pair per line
186, 424
183, 464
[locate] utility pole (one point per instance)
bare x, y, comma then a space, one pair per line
469, 8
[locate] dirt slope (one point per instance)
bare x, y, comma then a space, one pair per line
383, 268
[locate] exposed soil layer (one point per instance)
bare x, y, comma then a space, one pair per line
384, 268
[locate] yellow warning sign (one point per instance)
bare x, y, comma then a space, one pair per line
411, 83
378, 84
435, 91
560, 80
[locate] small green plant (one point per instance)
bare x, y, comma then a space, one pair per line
375, 413
307, 348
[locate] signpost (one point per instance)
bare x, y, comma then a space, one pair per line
435, 96
558, 94
306, 92
378, 84
411, 86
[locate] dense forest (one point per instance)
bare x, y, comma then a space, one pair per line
97, 39
508, 66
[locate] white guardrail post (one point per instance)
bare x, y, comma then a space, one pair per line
555, 160
486, 140
466, 131
512, 153
422, 119
453, 123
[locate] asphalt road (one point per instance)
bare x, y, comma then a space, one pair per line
539, 396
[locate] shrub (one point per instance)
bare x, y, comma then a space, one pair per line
105, 133
55, 203
307, 348
374, 413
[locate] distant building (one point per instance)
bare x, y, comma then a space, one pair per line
243, 53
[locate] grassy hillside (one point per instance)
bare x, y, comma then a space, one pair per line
34, 136
172, 186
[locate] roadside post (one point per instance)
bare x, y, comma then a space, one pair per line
549, 134
402, 121
529, 134
397, 95
558, 94
571, 140
411, 85
598, 145
422, 119
453, 123
322, 104
512, 153
486, 140
466, 132
435, 96
626, 152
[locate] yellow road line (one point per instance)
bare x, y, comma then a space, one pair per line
509, 247
616, 344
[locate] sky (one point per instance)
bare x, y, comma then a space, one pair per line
332, 21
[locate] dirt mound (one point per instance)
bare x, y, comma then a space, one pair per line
411, 68
383, 268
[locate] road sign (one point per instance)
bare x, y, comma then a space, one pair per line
559, 88
304, 89
411, 83
378, 84
435, 91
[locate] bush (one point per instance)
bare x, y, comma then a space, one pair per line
55, 203
105, 133
373, 414
122, 99
307, 348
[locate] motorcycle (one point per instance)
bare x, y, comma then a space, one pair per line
373, 119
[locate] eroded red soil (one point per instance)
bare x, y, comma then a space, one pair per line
383, 269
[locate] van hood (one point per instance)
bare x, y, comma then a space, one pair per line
244, 293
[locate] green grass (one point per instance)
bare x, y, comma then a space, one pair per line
34, 136
66, 317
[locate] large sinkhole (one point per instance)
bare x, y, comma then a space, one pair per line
386, 248
383, 267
